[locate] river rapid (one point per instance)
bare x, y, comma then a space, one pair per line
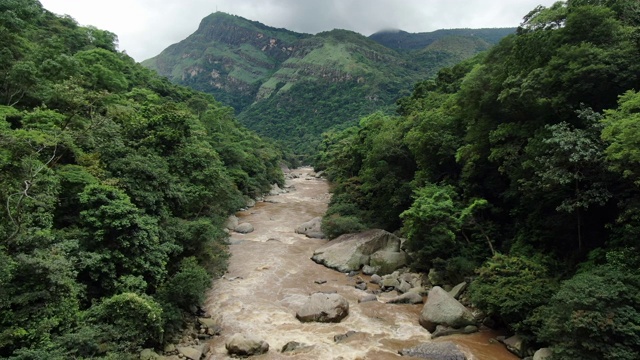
270, 276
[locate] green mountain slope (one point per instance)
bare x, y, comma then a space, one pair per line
228, 57
292, 86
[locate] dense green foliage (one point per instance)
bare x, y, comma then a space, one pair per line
292, 87
604, 323
511, 288
114, 185
525, 159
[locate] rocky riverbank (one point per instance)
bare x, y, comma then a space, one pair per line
271, 278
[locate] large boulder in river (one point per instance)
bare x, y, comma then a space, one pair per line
244, 228
322, 307
231, 222
442, 308
246, 345
350, 252
311, 228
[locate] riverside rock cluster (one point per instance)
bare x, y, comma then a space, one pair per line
375, 263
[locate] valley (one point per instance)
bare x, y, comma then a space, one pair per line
292, 87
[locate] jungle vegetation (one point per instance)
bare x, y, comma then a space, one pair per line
114, 186
520, 168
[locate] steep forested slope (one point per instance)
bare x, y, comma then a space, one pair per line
292, 86
114, 184
520, 164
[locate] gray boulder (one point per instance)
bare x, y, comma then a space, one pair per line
376, 279
246, 345
294, 347
351, 252
244, 228
388, 261
361, 286
322, 307
341, 337
404, 287
442, 308
149, 354
435, 351
192, 353
311, 228
368, 298
369, 270
442, 330
458, 289
542, 354
389, 283
407, 298
516, 345
210, 326
415, 280
231, 222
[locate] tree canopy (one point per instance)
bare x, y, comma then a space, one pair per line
114, 186
521, 163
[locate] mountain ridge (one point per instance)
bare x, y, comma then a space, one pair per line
405, 41
265, 73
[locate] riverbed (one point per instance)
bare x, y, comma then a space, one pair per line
270, 276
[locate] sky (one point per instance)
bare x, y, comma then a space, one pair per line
146, 27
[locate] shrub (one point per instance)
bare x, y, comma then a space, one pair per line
510, 288
594, 315
336, 225
130, 320
430, 225
183, 290
458, 268
187, 287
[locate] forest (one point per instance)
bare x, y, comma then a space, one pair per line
518, 168
114, 186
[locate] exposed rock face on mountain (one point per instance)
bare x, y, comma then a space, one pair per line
292, 86
228, 56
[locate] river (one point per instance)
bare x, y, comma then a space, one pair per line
270, 276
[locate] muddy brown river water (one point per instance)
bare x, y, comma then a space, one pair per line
271, 274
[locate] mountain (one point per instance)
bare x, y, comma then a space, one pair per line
228, 57
292, 86
403, 41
